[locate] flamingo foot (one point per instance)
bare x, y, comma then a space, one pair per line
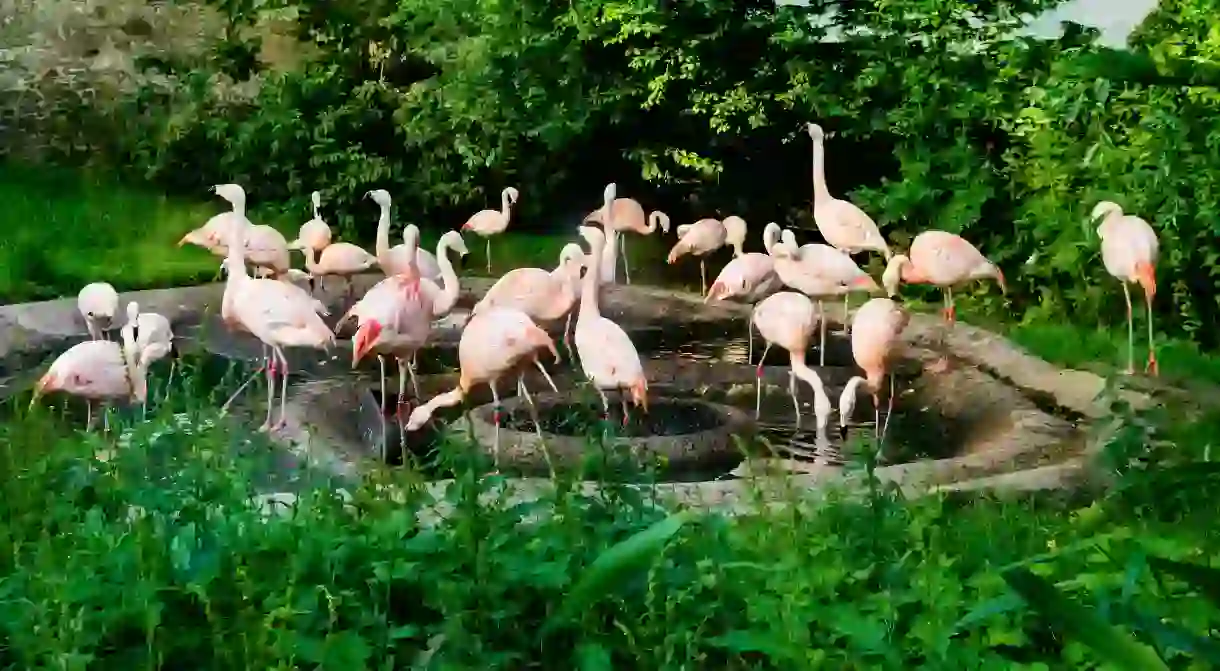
1129, 370
1152, 369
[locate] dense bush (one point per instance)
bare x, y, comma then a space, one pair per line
943, 114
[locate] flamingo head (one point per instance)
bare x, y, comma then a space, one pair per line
609, 194
771, 235
231, 192
787, 237
379, 196
736, 230
419, 417
364, 340
720, 290
198, 238
892, 276
316, 199
847, 404
512, 194
46, 384
661, 219
1104, 209
453, 240
815, 132
571, 256
639, 395
594, 236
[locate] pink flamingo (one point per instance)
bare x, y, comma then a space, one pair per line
97, 370
444, 295
395, 319
492, 222
836, 264
1129, 250
876, 332
624, 215
98, 302
496, 342
748, 277
265, 246
153, 336
265, 308
787, 319
841, 223
706, 236
315, 230
337, 259
607, 355
543, 296
798, 275
942, 259
395, 260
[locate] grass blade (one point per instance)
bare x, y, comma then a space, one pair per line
612, 565
1084, 624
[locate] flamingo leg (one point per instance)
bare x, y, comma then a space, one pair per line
846, 315
381, 361
488, 255
403, 371
546, 375
169, 384
702, 277
750, 339
889, 409
1153, 369
546, 452
877, 419
283, 388
242, 387
567, 344
88, 415
414, 382
1130, 332
270, 392
105, 418
796, 404
622, 398
622, 248
605, 403
822, 332
758, 381
495, 418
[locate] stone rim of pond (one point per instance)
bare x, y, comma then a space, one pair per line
522, 450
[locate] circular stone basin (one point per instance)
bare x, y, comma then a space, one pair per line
680, 437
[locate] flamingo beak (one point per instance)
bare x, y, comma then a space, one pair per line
843, 432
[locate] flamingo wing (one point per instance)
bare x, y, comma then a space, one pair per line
945, 258
846, 226
522, 288
607, 355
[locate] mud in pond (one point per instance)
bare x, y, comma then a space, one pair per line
665, 417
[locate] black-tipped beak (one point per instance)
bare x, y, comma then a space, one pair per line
313, 284
368, 194
173, 351
842, 432
212, 189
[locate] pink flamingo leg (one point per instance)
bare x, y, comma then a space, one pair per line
758, 381
283, 389
271, 366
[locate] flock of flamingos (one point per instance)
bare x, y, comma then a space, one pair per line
504, 335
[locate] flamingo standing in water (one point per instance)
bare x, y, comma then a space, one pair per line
706, 236
96, 370
1129, 249
842, 224
98, 302
749, 277
876, 332
395, 319
835, 264
268, 311
492, 222
154, 340
942, 259
495, 343
607, 355
544, 296
624, 215
787, 319
800, 276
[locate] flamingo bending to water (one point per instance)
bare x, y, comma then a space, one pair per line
96, 370
493, 222
787, 319
495, 343
98, 302
1129, 250
841, 223
749, 277
876, 332
544, 296
607, 355
942, 259
624, 215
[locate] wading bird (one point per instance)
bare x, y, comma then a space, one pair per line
492, 222
98, 302
833, 264
941, 259
876, 332
315, 231
626, 215
797, 275
154, 340
544, 296
841, 223
706, 236
1129, 250
787, 319
749, 278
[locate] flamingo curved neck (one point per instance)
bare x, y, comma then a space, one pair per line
821, 194
505, 205
449, 280
382, 244
446, 400
609, 258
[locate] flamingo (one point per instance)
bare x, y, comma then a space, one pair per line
706, 236
96, 370
798, 275
833, 263
337, 259
544, 296
623, 215
841, 223
444, 295
1129, 250
492, 222
943, 259
787, 319
428, 264
609, 269
98, 302
395, 319
265, 247
607, 355
876, 332
315, 230
154, 340
395, 260
749, 277
495, 343
264, 308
